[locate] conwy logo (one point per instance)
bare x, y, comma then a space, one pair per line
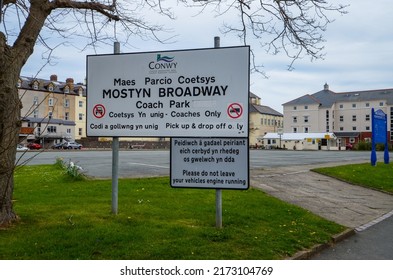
165, 58
163, 63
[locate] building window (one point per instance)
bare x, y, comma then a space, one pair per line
294, 119
341, 128
354, 118
381, 103
354, 128
35, 100
50, 102
66, 116
51, 129
66, 89
80, 117
306, 130
367, 117
354, 105
50, 114
341, 118
19, 84
80, 131
306, 119
68, 130
295, 130
35, 113
50, 87
305, 107
367, 104
35, 85
367, 128
66, 103
80, 104
294, 108
341, 106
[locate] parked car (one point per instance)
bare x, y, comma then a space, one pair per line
72, 145
58, 145
21, 148
34, 146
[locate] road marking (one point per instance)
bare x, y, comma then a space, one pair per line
374, 222
149, 165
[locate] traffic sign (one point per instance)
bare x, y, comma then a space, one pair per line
99, 111
214, 163
186, 93
235, 110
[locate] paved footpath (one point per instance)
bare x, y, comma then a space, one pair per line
349, 205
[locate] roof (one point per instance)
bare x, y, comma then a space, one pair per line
347, 134
252, 95
49, 121
58, 87
326, 98
299, 136
266, 110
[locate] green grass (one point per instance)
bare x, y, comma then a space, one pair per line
378, 177
66, 218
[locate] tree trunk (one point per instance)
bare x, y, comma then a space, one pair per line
9, 131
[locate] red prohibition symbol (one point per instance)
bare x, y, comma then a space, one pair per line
235, 110
99, 111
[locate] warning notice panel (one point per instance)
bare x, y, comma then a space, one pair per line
186, 93
215, 163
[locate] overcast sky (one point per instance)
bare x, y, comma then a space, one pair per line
359, 54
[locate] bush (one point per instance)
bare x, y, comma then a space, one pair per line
71, 169
366, 146
363, 146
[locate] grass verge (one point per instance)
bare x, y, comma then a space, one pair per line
67, 218
378, 177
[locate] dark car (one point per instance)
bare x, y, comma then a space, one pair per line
58, 146
34, 146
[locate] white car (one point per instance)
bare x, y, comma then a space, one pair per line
72, 145
21, 148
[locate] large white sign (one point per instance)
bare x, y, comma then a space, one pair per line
215, 163
169, 94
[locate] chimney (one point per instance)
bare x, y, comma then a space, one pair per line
70, 83
53, 78
326, 86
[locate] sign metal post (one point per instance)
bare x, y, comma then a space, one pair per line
115, 158
218, 191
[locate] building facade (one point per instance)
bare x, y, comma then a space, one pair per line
346, 114
263, 119
50, 113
